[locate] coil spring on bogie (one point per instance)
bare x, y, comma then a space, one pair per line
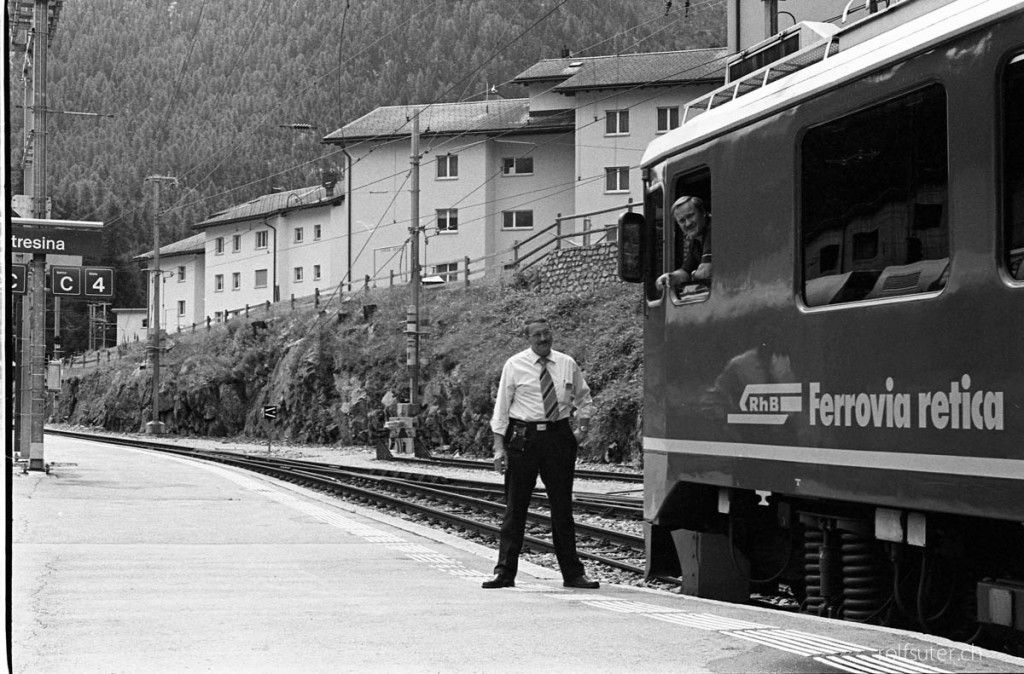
814, 603
853, 584
863, 579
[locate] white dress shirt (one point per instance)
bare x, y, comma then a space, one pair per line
519, 395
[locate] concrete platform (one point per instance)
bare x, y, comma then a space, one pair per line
125, 560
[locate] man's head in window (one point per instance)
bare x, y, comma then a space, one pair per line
693, 259
691, 216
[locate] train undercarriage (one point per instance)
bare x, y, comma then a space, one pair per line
959, 577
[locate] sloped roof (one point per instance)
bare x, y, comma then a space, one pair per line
629, 70
494, 116
277, 202
190, 246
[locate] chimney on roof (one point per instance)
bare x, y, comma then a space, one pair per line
329, 179
565, 52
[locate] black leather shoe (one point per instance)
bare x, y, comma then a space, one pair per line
498, 581
583, 583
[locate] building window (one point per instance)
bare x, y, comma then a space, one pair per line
616, 122
875, 202
316, 272
447, 272
668, 119
316, 232
218, 316
261, 238
181, 307
517, 219
616, 179
517, 166
218, 245
261, 278
297, 274
181, 273
236, 243
236, 280
298, 235
218, 283
448, 166
447, 220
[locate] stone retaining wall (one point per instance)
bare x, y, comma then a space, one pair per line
575, 270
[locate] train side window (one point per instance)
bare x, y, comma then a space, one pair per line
1013, 167
874, 195
689, 252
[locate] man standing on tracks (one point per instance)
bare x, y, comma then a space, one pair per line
539, 389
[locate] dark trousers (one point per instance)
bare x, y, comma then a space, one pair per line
552, 455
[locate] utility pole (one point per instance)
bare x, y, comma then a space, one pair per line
35, 395
414, 231
156, 427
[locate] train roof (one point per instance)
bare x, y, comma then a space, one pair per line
843, 57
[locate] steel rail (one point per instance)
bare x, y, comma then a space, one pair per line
475, 464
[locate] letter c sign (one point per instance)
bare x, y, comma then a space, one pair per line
66, 280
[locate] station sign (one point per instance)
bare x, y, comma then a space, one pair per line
68, 281
62, 237
18, 280
99, 282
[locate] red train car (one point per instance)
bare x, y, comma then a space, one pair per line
841, 405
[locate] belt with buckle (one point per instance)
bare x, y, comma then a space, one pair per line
540, 426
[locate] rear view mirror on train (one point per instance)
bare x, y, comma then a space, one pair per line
632, 230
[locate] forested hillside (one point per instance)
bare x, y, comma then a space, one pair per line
201, 90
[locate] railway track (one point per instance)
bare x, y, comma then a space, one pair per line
471, 506
473, 464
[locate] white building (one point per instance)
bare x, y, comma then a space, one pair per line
498, 173
131, 325
491, 174
620, 104
274, 247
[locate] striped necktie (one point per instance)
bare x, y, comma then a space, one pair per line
547, 389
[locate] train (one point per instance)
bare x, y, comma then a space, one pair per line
838, 409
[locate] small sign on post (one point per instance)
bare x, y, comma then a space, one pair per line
269, 413
18, 279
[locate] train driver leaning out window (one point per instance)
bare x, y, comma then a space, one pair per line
694, 224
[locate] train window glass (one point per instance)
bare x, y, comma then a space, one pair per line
874, 193
828, 258
688, 253
1013, 166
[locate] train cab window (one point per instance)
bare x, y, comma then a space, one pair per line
689, 240
1013, 167
874, 202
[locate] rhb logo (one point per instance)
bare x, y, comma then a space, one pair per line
769, 404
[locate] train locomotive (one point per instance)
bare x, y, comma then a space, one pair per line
839, 408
